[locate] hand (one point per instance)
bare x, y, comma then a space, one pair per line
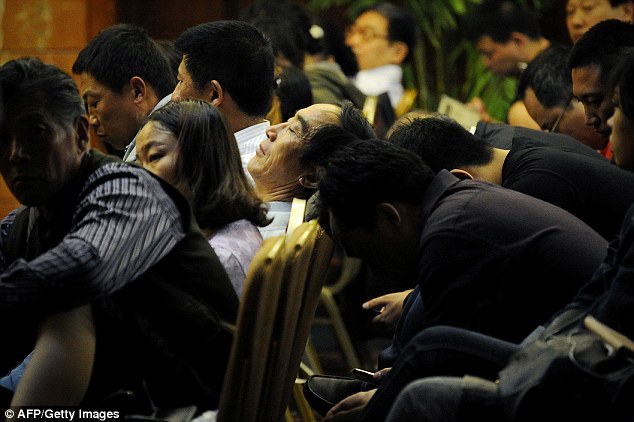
390, 307
350, 407
381, 373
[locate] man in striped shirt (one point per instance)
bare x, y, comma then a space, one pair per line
110, 250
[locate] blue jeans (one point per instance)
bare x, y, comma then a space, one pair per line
10, 381
446, 399
439, 351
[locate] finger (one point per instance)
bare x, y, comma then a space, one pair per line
374, 303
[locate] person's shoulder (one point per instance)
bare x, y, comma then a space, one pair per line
116, 172
499, 135
118, 180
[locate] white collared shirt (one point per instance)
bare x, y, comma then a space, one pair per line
248, 140
382, 79
130, 152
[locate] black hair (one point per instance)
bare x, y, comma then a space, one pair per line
621, 78
236, 54
321, 141
287, 25
123, 51
442, 143
28, 80
172, 54
499, 19
615, 3
604, 45
548, 76
293, 91
333, 44
361, 174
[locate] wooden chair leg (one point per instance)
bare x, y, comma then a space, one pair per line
312, 358
303, 408
349, 353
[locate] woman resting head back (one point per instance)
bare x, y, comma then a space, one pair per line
188, 144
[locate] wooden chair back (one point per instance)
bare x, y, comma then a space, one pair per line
246, 373
277, 309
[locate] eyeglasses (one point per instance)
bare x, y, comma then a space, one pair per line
364, 32
563, 111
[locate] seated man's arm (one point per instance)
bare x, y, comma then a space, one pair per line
59, 371
124, 224
389, 307
351, 407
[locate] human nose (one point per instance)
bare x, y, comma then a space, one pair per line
93, 120
591, 118
352, 38
17, 151
575, 19
273, 131
176, 94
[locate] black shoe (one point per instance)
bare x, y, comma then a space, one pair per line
324, 391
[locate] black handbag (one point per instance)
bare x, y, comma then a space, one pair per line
585, 372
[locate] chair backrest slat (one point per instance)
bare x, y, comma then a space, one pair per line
276, 312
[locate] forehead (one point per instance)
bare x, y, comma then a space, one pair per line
91, 86
485, 43
587, 80
32, 109
535, 108
372, 19
154, 131
182, 67
318, 114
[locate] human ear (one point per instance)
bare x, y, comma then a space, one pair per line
139, 88
628, 10
518, 39
309, 181
400, 50
216, 93
81, 133
388, 215
461, 174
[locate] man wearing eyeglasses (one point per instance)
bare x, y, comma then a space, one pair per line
546, 89
382, 38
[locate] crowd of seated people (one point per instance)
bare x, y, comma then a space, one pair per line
120, 271
443, 349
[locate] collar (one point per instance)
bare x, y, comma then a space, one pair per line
279, 206
439, 186
130, 151
381, 79
252, 131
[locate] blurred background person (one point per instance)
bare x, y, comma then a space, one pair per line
507, 36
582, 15
382, 38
